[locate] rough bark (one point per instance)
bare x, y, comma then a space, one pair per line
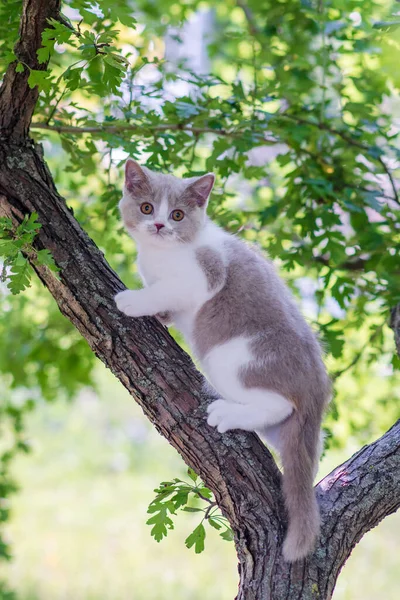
395, 325
17, 100
162, 379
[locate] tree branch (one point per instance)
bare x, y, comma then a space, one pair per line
356, 264
390, 176
104, 128
354, 498
251, 22
140, 352
143, 129
360, 353
162, 379
17, 99
351, 141
395, 325
325, 127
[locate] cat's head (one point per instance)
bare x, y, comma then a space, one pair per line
163, 209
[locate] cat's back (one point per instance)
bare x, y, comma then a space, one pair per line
253, 298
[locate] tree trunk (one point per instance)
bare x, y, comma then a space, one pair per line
162, 379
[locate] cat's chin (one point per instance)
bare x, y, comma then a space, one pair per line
155, 239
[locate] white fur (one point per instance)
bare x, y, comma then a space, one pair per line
254, 408
174, 280
162, 214
176, 283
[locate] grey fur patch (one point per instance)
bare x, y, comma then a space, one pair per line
254, 303
212, 266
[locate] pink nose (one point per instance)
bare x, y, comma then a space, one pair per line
159, 226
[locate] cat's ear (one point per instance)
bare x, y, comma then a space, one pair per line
136, 180
200, 189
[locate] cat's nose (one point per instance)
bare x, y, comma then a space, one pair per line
159, 226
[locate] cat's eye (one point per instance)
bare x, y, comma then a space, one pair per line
177, 215
146, 208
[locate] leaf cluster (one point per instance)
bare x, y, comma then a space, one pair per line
16, 245
182, 495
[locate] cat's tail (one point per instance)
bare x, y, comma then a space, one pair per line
301, 446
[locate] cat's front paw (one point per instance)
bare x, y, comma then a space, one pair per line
221, 414
129, 303
165, 318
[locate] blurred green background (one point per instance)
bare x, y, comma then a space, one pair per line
78, 523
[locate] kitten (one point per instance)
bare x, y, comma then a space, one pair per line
240, 320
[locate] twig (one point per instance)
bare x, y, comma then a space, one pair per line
253, 29
52, 112
321, 10
325, 127
357, 264
388, 173
347, 139
209, 509
200, 495
73, 129
359, 354
197, 131
255, 84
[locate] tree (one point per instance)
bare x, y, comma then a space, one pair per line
333, 211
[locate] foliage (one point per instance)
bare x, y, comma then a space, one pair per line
294, 114
174, 495
15, 247
41, 357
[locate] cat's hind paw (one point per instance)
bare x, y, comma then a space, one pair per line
221, 414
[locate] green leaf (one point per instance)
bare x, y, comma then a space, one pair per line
44, 257
180, 499
372, 199
20, 276
40, 79
72, 77
58, 32
214, 523
19, 68
5, 223
387, 25
187, 109
8, 248
112, 77
193, 476
227, 535
203, 491
30, 223
161, 521
396, 362
43, 54
196, 539
334, 341
116, 60
127, 20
